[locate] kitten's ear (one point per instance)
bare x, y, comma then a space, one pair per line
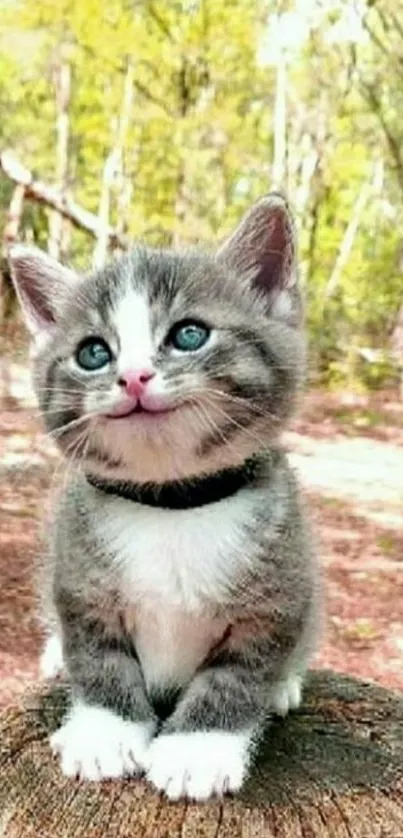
41, 284
263, 247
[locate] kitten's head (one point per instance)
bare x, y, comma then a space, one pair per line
164, 365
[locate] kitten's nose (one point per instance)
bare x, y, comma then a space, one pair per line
135, 381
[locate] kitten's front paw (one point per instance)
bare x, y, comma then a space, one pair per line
198, 765
95, 744
287, 695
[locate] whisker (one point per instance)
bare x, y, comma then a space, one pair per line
57, 389
69, 461
68, 426
245, 402
212, 425
209, 423
242, 428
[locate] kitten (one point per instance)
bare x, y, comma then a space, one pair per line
181, 579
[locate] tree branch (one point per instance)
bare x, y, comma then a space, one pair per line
350, 234
162, 25
44, 194
393, 142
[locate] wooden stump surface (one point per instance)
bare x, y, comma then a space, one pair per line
334, 769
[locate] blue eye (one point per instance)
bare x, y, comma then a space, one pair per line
93, 354
189, 336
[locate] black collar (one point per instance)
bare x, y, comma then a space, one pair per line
185, 494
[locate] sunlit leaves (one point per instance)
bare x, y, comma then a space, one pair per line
199, 148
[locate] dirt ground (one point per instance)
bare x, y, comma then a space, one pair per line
349, 454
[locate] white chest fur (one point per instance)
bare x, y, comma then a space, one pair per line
172, 643
175, 568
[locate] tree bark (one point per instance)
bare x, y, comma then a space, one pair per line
334, 769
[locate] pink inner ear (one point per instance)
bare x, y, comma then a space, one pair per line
276, 230
39, 307
34, 295
277, 253
263, 246
41, 284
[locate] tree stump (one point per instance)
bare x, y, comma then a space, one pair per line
333, 769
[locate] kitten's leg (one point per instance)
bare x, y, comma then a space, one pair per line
51, 663
206, 746
110, 724
286, 693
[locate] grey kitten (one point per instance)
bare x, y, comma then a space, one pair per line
181, 577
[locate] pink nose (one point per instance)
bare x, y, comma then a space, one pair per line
135, 381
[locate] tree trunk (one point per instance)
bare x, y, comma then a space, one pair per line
16, 208
280, 124
397, 347
62, 81
10, 236
108, 176
112, 169
180, 206
334, 769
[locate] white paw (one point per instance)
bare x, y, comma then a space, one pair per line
95, 744
287, 695
51, 662
198, 765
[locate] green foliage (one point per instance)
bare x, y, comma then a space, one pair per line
200, 140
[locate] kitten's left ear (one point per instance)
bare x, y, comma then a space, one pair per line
42, 286
263, 247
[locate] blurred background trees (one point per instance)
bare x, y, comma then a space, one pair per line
165, 120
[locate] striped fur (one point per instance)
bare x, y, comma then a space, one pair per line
194, 624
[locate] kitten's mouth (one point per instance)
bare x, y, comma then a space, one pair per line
139, 411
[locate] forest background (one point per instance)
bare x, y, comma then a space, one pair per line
164, 121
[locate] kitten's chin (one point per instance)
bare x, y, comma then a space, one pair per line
164, 448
